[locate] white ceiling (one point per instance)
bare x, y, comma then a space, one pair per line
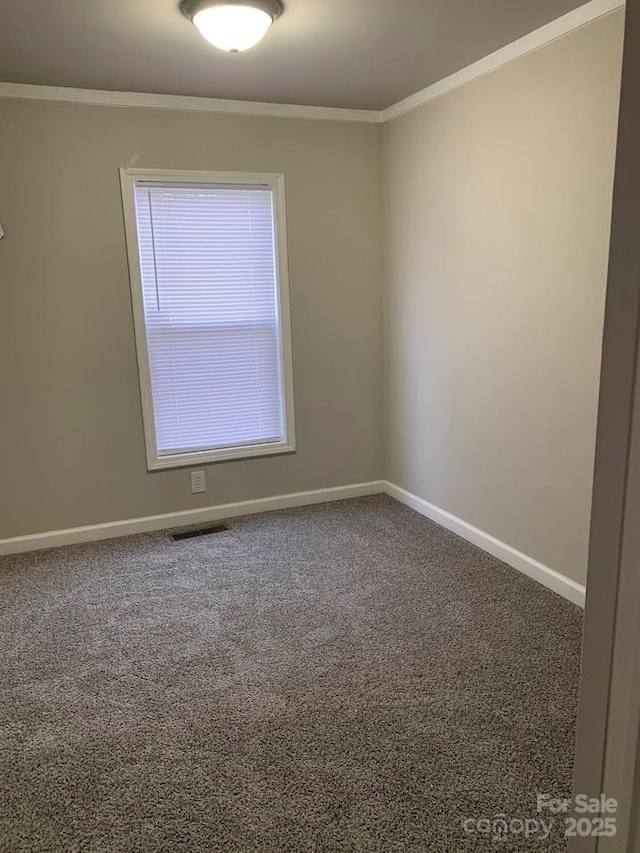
359, 54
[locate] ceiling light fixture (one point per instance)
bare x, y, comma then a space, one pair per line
232, 25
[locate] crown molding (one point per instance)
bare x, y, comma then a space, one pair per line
551, 32
185, 103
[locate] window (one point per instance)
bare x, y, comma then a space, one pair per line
208, 268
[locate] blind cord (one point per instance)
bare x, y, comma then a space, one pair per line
153, 244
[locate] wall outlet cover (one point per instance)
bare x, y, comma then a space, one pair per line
198, 482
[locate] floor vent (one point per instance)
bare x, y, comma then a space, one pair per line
201, 531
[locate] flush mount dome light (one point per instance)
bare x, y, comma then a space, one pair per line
232, 25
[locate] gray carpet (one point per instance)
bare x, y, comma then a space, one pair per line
344, 677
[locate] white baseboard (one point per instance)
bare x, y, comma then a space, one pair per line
112, 529
91, 533
560, 584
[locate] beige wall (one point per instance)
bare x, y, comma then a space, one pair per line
71, 426
497, 211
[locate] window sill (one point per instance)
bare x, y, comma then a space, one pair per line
188, 460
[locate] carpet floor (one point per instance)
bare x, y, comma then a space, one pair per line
345, 677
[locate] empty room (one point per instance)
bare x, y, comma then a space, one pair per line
302, 309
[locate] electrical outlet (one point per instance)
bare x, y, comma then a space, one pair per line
198, 482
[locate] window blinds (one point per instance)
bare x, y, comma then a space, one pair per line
208, 265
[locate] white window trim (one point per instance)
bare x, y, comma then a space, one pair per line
128, 180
